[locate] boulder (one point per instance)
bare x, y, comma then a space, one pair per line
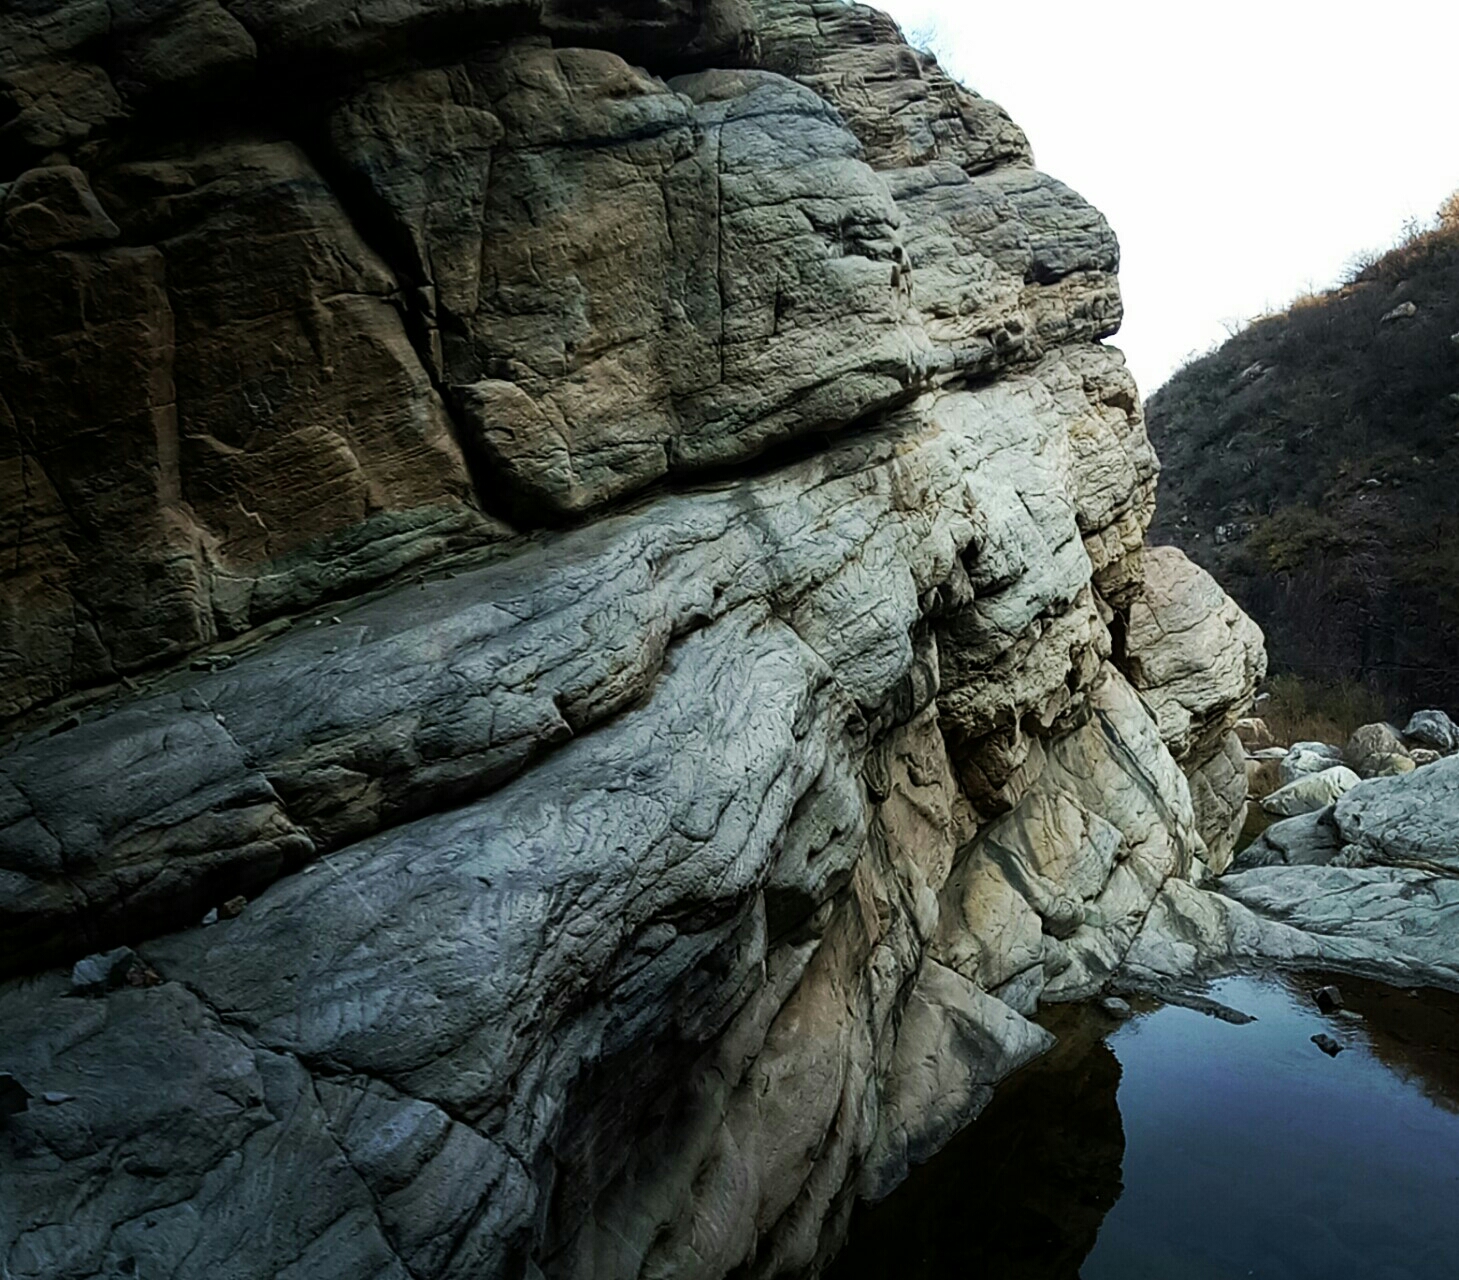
54, 207
1388, 766
1254, 733
1310, 793
1197, 659
1310, 839
1403, 311
1305, 758
1371, 750
1433, 729
1370, 886
1192, 653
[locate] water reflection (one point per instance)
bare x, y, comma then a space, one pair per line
1183, 1146
1020, 1194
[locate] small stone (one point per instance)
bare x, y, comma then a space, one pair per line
233, 907
334, 622
1403, 311
1329, 999
211, 917
1114, 1007
1327, 1044
54, 1097
201, 664
105, 971
73, 721
143, 975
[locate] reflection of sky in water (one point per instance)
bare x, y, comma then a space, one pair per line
1201, 1150
1249, 1152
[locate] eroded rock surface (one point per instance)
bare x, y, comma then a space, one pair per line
1197, 659
784, 703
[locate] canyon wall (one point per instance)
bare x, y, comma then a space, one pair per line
579, 619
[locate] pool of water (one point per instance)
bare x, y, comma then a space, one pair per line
1177, 1146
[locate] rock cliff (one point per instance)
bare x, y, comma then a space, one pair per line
578, 619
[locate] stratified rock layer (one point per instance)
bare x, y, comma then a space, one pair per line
680, 858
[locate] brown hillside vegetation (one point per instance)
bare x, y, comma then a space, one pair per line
1312, 463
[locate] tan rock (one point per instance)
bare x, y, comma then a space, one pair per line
54, 207
1262, 778
1192, 652
1254, 733
1372, 748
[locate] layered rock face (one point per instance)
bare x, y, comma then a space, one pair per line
779, 704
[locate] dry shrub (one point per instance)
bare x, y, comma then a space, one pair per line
1449, 211
1312, 711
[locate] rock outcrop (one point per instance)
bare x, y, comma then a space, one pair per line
584, 620
1369, 885
1197, 660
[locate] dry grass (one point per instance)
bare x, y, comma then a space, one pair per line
1307, 711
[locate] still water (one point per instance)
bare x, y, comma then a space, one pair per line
1177, 1146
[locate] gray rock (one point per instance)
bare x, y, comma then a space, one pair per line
1433, 729
1327, 1044
1311, 793
1304, 758
1329, 999
635, 896
1371, 887
1255, 734
1115, 1007
103, 972
54, 207
1310, 839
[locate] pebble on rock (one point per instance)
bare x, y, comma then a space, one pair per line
233, 907
1114, 1007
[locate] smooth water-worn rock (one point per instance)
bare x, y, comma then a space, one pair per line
582, 645
1305, 758
1370, 885
1312, 792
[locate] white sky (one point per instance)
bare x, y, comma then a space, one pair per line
1243, 152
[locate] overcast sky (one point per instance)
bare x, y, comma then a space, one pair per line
1243, 152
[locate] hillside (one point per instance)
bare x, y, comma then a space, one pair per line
1309, 463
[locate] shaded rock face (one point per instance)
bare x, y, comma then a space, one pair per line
782, 706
